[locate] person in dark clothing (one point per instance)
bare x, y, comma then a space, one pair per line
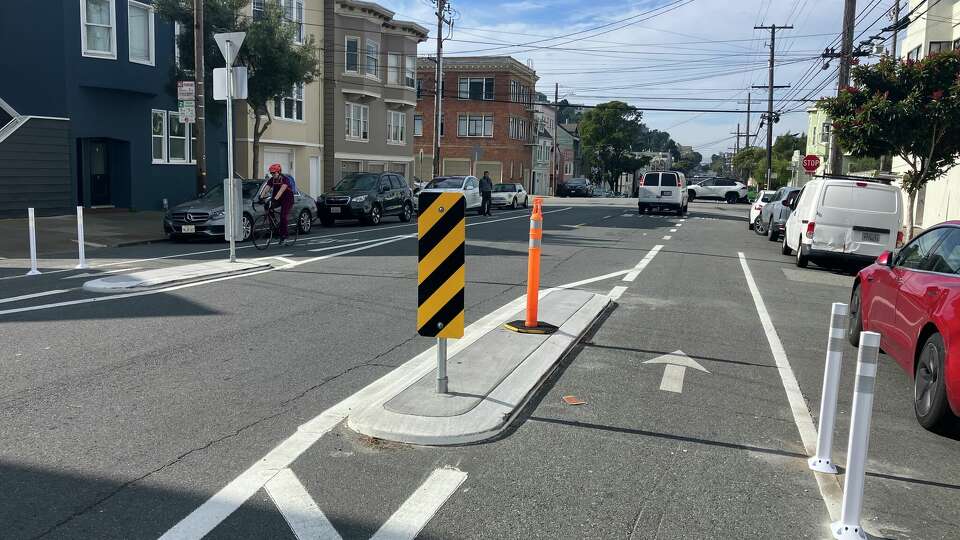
486, 191
281, 195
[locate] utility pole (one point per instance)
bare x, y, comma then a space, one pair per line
200, 148
736, 146
896, 29
843, 79
747, 134
771, 119
556, 147
442, 7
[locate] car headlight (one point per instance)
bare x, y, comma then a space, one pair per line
216, 214
359, 198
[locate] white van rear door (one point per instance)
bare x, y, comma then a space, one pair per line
649, 188
670, 189
859, 218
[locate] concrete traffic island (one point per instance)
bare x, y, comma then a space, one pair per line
489, 381
176, 275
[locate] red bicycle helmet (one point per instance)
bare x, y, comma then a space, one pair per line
275, 168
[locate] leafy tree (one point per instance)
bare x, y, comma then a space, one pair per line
907, 109
567, 113
718, 164
689, 162
275, 63
750, 162
608, 134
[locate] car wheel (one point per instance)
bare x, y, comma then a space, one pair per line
691, 195
929, 389
526, 199
758, 226
246, 225
407, 213
785, 248
732, 197
802, 259
305, 221
514, 205
680, 211
772, 232
375, 216
855, 318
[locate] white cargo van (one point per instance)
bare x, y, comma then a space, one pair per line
662, 190
847, 220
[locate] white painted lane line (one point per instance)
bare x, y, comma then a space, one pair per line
407, 522
34, 295
607, 217
305, 518
673, 230
92, 274
576, 284
616, 292
88, 243
632, 275
360, 243
829, 488
667, 237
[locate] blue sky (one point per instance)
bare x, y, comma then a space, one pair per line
692, 54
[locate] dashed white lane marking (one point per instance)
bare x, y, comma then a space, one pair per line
304, 517
673, 230
667, 237
34, 295
407, 522
90, 244
607, 217
632, 275
360, 243
617, 292
829, 488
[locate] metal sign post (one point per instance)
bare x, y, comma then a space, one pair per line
441, 272
229, 44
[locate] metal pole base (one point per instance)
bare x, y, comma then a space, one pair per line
33, 272
824, 466
81, 266
441, 385
847, 532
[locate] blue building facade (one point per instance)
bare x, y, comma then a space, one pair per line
89, 108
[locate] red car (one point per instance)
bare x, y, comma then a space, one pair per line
912, 298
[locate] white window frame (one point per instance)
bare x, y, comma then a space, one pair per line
112, 54
293, 12
375, 57
568, 168
472, 118
163, 136
396, 120
364, 119
171, 118
151, 33
177, 30
346, 53
410, 72
280, 103
914, 54
394, 68
257, 8
418, 132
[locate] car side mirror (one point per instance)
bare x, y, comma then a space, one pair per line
886, 258
384, 189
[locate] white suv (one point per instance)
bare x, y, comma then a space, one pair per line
726, 189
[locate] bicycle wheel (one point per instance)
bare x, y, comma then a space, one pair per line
262, 232
293, 232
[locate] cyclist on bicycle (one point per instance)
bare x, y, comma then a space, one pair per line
281, 195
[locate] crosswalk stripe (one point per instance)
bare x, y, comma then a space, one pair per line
407, 522
305, 518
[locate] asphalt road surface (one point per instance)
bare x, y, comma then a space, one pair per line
215, 408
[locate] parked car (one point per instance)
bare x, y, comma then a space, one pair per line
663, 190
367, 196
773, 216
512, 195
845, 220
911, 298
575, 187
753, 215
726, 189
468, 185
205, 216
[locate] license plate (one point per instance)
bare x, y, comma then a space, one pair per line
870, 237
334, 210
665, 193
188, 228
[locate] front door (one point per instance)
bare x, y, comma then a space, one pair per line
315, 189
99, 160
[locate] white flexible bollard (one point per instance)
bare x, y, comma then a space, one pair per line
822, 462
33, 243
848, 528
83, 256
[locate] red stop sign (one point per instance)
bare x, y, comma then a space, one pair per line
811, 163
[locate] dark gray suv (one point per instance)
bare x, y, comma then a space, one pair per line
773, 217
367, 196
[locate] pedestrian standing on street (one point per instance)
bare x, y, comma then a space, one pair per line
281, 194
486, 193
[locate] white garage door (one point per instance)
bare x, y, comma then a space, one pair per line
283, 157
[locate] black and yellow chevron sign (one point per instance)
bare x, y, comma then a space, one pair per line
441, 270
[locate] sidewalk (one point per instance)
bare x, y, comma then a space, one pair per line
57, 235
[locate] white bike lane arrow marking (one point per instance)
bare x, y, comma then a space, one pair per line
676, 366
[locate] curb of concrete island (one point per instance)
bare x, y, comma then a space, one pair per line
168, 277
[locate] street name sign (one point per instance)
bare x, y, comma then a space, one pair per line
441, 264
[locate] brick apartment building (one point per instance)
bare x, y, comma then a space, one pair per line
488, 118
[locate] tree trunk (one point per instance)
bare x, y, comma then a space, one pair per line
912, 196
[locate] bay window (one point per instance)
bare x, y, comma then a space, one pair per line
396, 127
356, 121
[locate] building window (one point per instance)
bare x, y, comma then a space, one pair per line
357, 120
352, 60
293, 12
518, 128
177, 32
140, 25
956, 44
418, 125
177, 138
158, 132
476, 88
825, 133
373, 59
568, 168
393, 69
419, 88
914, 54
939, 46
290, 106
475, 125
410, 74
98, 28
258, 9
396, 127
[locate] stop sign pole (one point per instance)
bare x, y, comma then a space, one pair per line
811, 163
